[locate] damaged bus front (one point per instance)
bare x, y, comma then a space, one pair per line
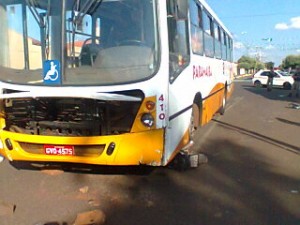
74, 82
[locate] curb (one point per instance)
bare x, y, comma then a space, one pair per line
243, 75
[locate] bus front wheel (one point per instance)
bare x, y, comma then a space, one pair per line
194, 121
223, 106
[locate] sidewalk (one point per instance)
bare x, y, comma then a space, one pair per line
243, 75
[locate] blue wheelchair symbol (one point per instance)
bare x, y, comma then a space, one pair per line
51, 72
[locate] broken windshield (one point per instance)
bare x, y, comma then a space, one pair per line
77, 42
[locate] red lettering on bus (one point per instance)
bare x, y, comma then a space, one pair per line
199, 71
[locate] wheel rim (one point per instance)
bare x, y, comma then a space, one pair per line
224, 101
194, 121
257, 84
287, 86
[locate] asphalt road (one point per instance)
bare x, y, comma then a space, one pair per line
252, 177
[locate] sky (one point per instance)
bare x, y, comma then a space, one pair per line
266, 29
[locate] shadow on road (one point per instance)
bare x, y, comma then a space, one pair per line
238, 188
272, 141
288, 122
276, 93
83, 168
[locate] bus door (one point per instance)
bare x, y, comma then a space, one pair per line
179, 58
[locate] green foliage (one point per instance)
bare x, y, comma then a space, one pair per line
291, 61
260, 66
269, 65
248, 60
245, 65
249, 63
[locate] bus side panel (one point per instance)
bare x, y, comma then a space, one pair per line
179, 110
212, 103
205, 76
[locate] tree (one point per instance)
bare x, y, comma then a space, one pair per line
245, 66
260, 66
291, 61
269, 65
249, 63
247, 59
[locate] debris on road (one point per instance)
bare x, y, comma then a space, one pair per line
294, 191
203, 158
7, 209
94, 202
95, 217
295, 105
84, 189
184, 161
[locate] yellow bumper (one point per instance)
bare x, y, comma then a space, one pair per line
144, 148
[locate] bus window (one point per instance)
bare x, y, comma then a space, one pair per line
91, 41
208, 34
196, 27
224, 46
229, 49
178, 41
81, 45
12, 18
8, 38
217, 33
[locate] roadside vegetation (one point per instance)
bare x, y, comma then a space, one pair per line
252, 64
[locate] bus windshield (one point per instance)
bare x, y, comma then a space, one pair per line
77, 42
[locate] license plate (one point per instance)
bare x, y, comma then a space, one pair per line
59, 150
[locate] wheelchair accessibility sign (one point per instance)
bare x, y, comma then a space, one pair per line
51, 72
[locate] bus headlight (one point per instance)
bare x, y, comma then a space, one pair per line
147, 119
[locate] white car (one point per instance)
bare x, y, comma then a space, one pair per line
260, 79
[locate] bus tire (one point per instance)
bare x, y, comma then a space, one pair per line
198, 102
194, 121
224, 99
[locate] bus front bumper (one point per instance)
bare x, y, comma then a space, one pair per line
143, 148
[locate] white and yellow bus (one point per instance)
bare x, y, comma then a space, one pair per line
109, 82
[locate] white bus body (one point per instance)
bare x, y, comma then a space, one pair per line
73, 91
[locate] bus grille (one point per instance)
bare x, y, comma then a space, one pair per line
69, 116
